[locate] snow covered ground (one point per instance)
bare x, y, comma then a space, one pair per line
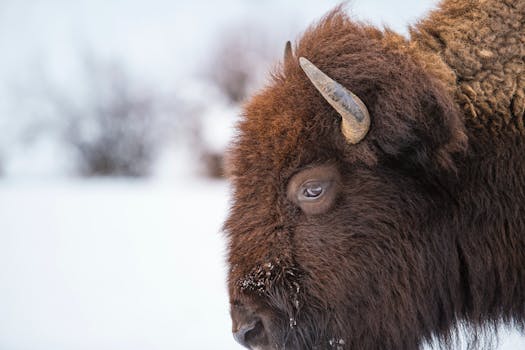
112, 264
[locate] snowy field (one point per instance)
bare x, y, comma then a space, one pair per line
113, 265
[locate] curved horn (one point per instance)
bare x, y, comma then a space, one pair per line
355, 118
287, 51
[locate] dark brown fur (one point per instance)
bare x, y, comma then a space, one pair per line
428, 230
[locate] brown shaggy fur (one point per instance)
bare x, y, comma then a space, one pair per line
428, 230
482, 45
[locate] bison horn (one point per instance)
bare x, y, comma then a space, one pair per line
355, 118
287, 51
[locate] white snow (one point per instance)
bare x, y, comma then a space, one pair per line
110, 264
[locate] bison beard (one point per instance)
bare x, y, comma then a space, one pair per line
411, 229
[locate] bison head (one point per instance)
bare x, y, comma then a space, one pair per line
338, 236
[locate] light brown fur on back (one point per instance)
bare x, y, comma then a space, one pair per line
473, 46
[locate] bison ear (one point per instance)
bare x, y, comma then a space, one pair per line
445, 130
432, 138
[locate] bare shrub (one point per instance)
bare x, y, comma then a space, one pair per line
210, 159
115, 127
239, 59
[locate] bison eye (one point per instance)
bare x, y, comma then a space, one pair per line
314, 189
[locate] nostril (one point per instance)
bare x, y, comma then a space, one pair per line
246, 333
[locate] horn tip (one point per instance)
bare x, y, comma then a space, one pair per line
303, 61
288, 54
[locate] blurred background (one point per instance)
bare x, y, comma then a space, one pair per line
114, 115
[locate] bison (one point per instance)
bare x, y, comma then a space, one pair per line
378, 185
